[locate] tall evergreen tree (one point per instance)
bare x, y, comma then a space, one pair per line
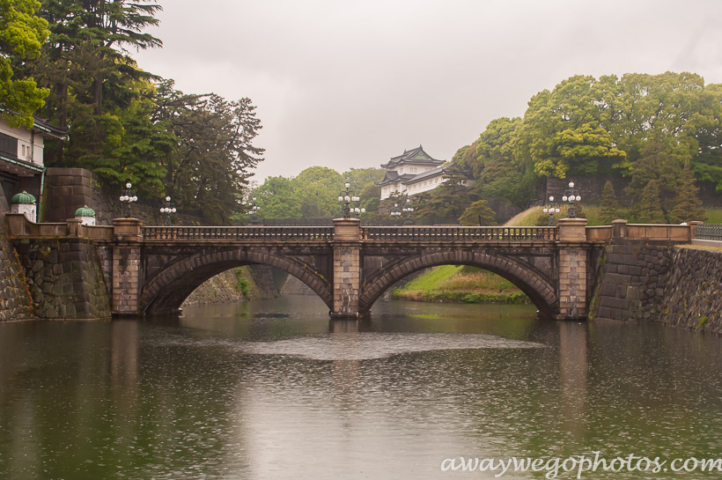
649, 209
610, 205
688, 206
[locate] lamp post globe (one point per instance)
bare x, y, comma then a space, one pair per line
346, 198
571, 196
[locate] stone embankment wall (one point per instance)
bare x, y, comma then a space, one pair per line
693, 293
632, 280
15, 300
64, 278
223, 288
658, 282
226, 287
294, 286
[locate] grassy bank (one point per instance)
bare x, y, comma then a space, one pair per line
458, 284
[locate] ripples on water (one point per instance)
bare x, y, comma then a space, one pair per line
361, 345
274, 391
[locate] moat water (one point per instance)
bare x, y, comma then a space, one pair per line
273, 390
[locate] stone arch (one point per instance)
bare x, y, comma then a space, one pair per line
541, 292
166, 291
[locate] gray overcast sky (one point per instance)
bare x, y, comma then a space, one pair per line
351, 83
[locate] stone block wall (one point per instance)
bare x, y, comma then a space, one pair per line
693, 291
263, 277
632, 281
15, 300
64, 278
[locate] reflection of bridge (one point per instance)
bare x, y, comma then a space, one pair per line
152, 270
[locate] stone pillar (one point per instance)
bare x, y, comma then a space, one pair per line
572, 269
619, 229
346, 267
693, 229
75, 227
126, 266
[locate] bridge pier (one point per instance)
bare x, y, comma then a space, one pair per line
346, 267
572, 269
127, 240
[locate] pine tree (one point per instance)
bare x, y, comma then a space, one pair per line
478, 213
649, 208
610, 205
688, 206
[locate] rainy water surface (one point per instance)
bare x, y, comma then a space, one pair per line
273, 390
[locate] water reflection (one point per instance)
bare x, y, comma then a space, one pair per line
260, 391
573, 363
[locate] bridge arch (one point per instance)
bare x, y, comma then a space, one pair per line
541, 292
165, 292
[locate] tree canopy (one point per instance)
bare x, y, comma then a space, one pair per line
22, 34
639, 127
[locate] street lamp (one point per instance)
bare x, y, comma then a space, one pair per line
254, 214
408, 210
346, 198
571, 196
167, 209
395, 212
551, 209
127, 198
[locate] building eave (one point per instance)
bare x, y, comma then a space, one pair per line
19, 167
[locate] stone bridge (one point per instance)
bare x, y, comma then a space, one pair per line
151, 270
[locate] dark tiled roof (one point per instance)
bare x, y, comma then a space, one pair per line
393, 177
50, 130
416, 156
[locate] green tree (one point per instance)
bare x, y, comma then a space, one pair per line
654, 180
478, 213
688, 206
586, 151
278, 199
86, 66
22, 34
649, 209
371, 197
610, 205
318, 189
360, 178
208, 168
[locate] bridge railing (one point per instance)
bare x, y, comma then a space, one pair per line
460, 234
238, 233
709, 231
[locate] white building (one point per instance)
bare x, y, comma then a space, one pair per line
21, 158
412, 173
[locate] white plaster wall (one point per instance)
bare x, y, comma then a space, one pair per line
26, 151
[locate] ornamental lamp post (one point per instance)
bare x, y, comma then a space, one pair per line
345, 198
254, 214
127, 198
571, 196
408, 210
395, 213
551, 209
167, 209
